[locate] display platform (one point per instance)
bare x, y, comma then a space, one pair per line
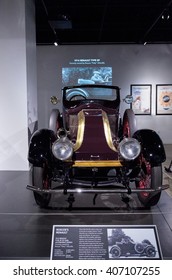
26, 230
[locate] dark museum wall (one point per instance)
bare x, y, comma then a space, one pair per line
131, 64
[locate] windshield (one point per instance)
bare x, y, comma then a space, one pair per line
91, 93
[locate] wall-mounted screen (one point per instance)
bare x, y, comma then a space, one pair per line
72, 76
86, 75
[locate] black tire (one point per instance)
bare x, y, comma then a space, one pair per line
139, 248
151, 178
129, 123
54, 121
115, 251
40, 179
150, 252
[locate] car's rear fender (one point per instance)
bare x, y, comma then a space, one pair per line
40, 147
152, 147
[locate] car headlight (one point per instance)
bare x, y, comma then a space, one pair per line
129, 148
62, 148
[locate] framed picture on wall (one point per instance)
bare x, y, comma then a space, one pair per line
164, 99
141, 95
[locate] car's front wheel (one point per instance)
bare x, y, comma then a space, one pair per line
40, 179
115, 251
150, 252
139, 248
151, 178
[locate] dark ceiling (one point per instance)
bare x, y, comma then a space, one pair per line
71, 22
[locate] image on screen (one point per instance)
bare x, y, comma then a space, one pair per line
74, 76
86, 75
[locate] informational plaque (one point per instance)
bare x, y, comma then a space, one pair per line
104, 242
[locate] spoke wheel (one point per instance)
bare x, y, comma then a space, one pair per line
150, 251
115, 251
151, 177
139, 248
40, 179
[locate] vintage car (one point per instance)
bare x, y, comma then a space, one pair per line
121, 244
127, 247
90, 148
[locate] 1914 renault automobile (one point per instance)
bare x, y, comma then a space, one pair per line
121, 244
89, 148
129, 248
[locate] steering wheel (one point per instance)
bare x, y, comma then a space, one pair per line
77, 95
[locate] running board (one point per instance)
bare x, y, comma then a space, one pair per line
96, 190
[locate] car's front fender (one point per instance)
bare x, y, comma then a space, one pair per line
151, 145
40, 147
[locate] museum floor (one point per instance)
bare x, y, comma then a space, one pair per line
26, 230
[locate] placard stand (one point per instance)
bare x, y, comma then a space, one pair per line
104, 242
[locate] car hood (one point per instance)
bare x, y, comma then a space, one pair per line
93, 137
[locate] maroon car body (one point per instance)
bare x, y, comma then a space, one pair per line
90, 148
89, 120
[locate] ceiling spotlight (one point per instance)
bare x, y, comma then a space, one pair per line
55, 44
165, 15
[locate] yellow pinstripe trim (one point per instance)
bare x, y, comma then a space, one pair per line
80, 132
98, 163
107, 131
